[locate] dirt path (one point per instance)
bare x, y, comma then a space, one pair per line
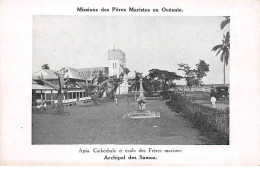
104, 125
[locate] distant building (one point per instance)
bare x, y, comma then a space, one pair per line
45, 74
116, 60
41, 92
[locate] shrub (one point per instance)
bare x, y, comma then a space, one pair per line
201, 116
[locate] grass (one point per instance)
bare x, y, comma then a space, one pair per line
103, 124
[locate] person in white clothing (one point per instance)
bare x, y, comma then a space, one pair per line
213, 101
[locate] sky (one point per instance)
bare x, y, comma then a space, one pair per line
149, 42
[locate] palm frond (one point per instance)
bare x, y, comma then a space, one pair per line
215, 48
224, 23
219, 51
227, 39
222, 57
93, 80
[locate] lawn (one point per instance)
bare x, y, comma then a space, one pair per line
103, 124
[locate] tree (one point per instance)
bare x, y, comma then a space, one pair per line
117, 81
190, 74
95, 91
46, 66
202, 68
156, 85
223, 50
89, 88
150, 85
101, 77
62, 81
125, 70
101, 84
97, 87
135, 84
164, 76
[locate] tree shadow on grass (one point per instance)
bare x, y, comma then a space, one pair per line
52, 112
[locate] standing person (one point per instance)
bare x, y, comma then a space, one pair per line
213, 101
212, 92
116, 99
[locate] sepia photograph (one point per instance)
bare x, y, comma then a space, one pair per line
129, 83
130, 80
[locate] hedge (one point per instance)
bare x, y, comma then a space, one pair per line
202, 116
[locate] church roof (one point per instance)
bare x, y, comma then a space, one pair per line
41, 87
45, 74
90, 73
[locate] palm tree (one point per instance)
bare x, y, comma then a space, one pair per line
117, 81
225, 22
101, 84
96, 91
223, 49
135, 83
